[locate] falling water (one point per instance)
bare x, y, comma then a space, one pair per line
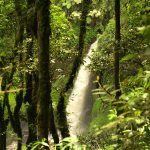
80, 101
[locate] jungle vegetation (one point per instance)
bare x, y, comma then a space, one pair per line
42, 45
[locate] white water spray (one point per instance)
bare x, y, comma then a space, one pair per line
80, 101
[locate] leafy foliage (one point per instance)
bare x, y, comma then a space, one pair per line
109, 129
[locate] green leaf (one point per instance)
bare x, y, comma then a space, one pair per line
44, 144
68, 5
128, 57
89, 20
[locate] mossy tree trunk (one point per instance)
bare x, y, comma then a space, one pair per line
19, 96
43, 34
2, 128
61, 108
31, 75
3, 121
52, 126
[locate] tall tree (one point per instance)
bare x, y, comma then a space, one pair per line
19, 96
31, 76
32, 82
43, 33
15, 119
117, 49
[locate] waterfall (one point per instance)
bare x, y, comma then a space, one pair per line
80, 101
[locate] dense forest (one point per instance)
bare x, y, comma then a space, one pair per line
44, 45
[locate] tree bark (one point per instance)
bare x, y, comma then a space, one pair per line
3, 128
19, 100
52, 126
31, 76
19, 96
43, 33
3, 121
32, 112
117, 49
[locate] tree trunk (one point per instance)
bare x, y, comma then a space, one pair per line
19, 96
3, 127
2, 120
32, 112
117, 49
116, 59
31, 76
19, 100
52, 126
43, 57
